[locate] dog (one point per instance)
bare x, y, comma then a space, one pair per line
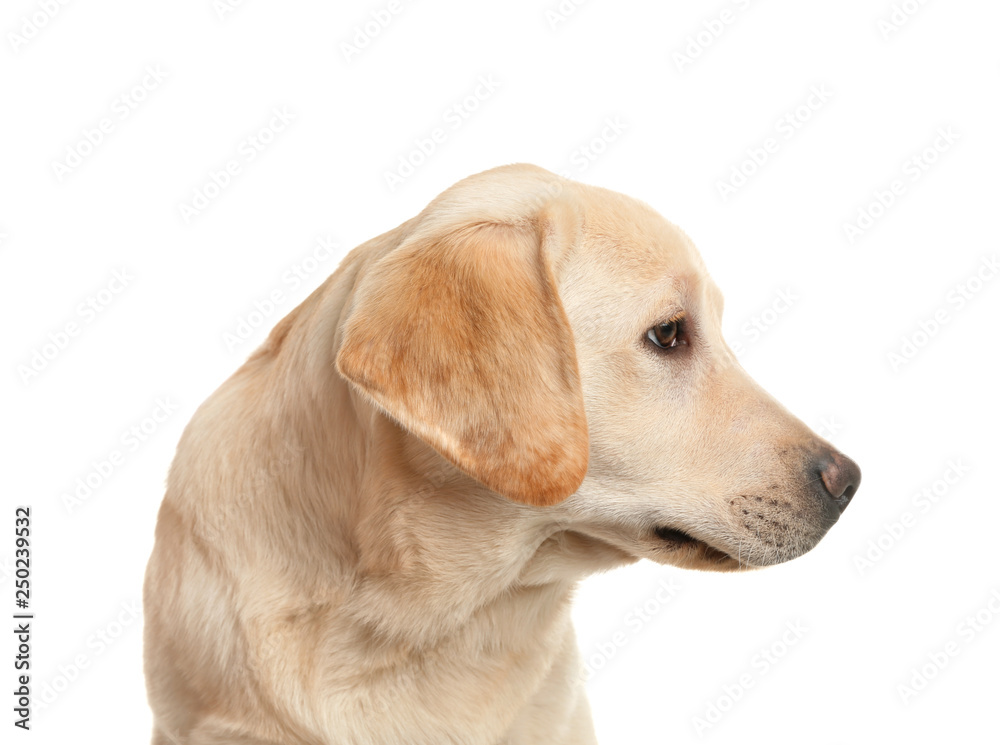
371, 532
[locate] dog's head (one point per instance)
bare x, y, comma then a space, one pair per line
561, 344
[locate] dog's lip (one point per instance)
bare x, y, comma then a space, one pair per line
673, 535
676, 538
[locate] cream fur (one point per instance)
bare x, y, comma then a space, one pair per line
372, 530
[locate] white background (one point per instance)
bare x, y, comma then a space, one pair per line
682, 127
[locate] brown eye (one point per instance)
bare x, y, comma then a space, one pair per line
664, 335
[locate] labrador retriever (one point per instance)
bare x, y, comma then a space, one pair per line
372, 530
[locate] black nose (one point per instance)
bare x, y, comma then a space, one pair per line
841, 477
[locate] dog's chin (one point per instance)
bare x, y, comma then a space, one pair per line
668, 545
676, 547
681, 549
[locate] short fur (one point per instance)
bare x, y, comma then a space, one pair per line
372, 530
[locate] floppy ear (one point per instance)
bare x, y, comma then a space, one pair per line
461, 337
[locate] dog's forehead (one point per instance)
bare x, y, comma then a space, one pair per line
635, 247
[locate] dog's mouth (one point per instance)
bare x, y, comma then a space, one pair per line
686, 550
672, 535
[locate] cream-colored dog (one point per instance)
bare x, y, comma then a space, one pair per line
372, 531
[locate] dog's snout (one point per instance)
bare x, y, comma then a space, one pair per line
841, 477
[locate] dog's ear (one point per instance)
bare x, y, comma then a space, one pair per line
460, 336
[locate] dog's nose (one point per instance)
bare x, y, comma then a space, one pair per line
841, 477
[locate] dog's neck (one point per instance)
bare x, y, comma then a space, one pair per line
394, 507
409, 508
391, 506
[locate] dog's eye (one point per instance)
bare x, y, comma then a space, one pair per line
666, 335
